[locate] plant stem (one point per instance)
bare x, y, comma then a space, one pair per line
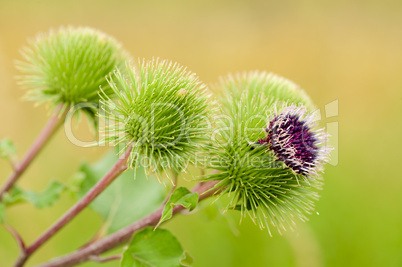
50, 128
123, 235
106, 259
114, 172
16, 236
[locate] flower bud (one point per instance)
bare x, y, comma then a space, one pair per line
162, 110
69, 65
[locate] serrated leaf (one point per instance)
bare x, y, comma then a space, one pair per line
125, 200
46, 198
40, 200
7, 148
14, 196
181, 196
2, 213
149, 248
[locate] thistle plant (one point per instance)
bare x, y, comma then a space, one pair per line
269, 160
162, 110
262, 145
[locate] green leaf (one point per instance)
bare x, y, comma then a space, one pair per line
187, 260
45, 199
159, 248
14, 196
2, 213
181, 196
7, 148
41, 200
125, 200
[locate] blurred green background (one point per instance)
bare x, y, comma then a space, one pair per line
350, 51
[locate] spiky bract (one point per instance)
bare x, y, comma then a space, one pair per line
161, 109
256, 181
276, 88
69, 65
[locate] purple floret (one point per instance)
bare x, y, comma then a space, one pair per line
293, 142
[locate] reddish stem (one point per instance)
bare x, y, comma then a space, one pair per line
123, 235
106, 259
50, 128
115, 171
16, 236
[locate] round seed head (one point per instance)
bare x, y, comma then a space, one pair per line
253, 170
69, 65
161, 109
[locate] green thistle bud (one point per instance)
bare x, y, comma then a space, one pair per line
261, 178
69, 65
161, 109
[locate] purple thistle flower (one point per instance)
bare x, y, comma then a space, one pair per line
291, 137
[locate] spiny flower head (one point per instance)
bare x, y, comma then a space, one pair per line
161, 109
68, 65
291, 137
256, 181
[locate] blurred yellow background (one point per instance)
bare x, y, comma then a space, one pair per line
350, 51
